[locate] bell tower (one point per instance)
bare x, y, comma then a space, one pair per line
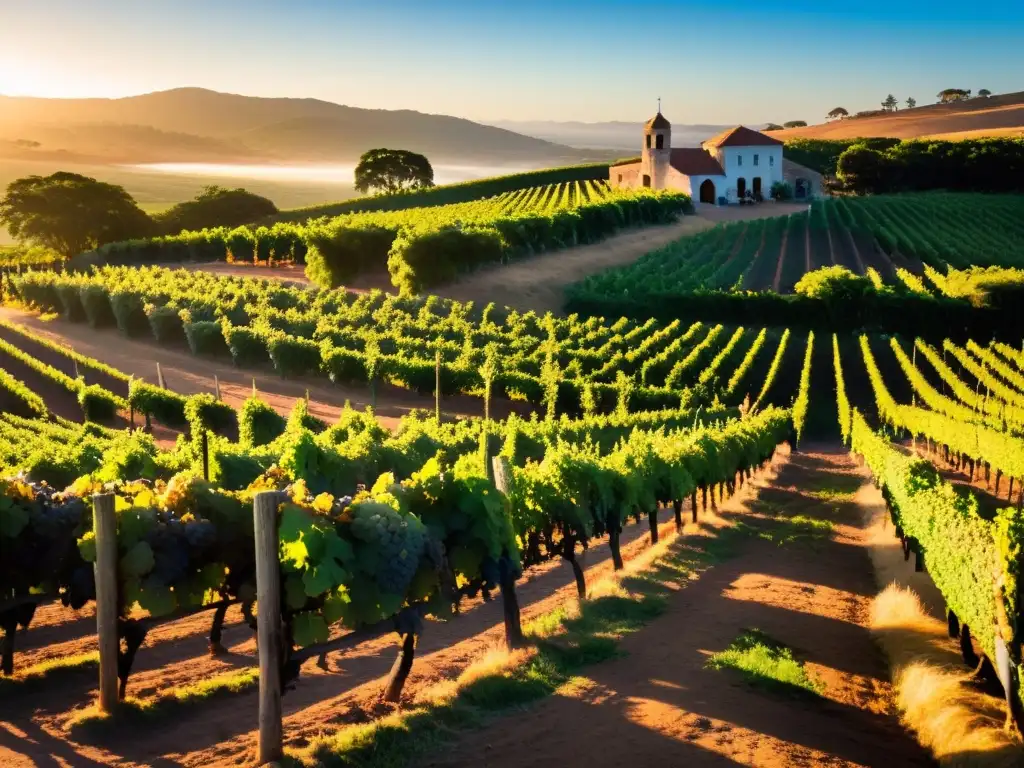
657, 151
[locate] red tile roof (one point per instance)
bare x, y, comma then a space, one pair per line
741, 137
695, 162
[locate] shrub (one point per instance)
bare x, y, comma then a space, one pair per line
247, 346
300, 418
241, 245
419, 260
161, 404
781, 190
38, 289
71, 301
165, 323
335, 256
343, 366
97, 403
96, 302
205, 337
234, 469
834, 284
291, 355
204, 411
129, 311
258, 423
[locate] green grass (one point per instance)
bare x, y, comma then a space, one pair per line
91, 723
797, 529
766, 664
565, 645
53, 670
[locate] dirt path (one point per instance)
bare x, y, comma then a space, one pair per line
190, 375
538, 282
659, 705
222, 732
777, 280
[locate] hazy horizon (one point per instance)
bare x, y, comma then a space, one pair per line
560, 61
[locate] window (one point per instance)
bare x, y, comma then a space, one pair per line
739, 160
660, 141
620, 178
771, 160
755, 159
648, 141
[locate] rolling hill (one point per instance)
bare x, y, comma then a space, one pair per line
993, 116
198, 124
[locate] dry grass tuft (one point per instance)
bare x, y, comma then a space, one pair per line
961, 726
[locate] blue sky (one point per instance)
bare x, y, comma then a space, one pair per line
522, 59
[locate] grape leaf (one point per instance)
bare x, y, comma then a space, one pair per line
13, 518
294, 592
133, 524
323, 577
157, 600
334, 605
309, 628
87, 547
139, 560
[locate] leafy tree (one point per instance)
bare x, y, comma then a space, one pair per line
863, 169
796, 124
215, 207
773, 127
984, 93
890, 103
839, 112
953, 94
393, 170
911, 102
71, 213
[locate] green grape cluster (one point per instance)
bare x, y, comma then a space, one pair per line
399, 539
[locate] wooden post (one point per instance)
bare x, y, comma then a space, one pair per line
216, 387
510, 601
205, 438
160, 377
677, 511
77, 374
693, 505
268, 599
104, 522
437, 386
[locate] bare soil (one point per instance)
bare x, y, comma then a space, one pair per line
659, 705
221, 732
1000, 115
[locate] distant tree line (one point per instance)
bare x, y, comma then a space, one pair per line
866, 165
70, 213
981, 165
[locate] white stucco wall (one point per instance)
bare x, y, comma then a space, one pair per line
738, 162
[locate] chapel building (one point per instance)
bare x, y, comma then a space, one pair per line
739, 163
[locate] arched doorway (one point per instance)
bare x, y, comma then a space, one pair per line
707, 191
741, 188
757, 187
647, 180
800, 192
